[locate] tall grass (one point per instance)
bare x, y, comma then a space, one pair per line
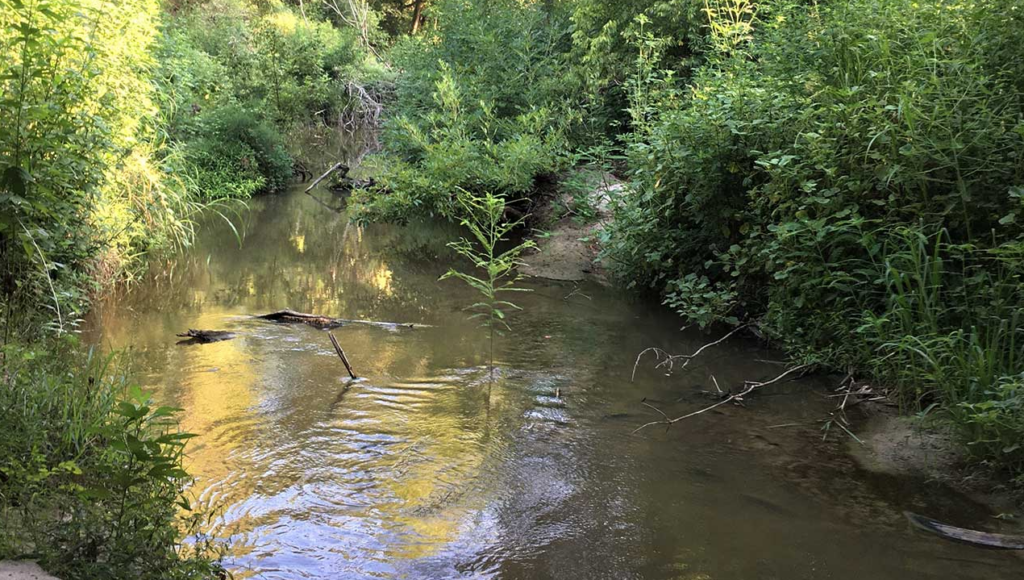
951, 339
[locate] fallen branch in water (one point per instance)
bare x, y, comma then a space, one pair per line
838, 415
204, 336
341, 355
320, 321
670, 359
333, 168
989, 540
366, 105
749, 387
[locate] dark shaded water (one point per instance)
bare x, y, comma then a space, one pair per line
411, 473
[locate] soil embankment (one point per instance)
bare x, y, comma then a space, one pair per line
567, 244
23, 570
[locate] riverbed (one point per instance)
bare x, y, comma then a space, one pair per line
433, 466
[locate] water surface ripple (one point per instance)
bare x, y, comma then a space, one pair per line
430, 466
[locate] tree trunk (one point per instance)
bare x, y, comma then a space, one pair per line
417, 14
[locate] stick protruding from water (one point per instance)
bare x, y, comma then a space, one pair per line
341, 355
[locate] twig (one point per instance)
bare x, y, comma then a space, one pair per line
758, 385
677, 419
646, 404
574, 292
671, 358
341, 354
751, 386
850, 433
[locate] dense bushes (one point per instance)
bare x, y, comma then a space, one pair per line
91, 481
850, 176
116, 127
236, 78
284, 68
236, 155
483, 104
80, 155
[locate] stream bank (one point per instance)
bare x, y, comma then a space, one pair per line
568, 242
23, 570
886, 443
415, 471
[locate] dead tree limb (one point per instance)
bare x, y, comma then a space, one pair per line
333, 168
749, 387
670, 359
999, 541
323, 322
204, 336
341, 355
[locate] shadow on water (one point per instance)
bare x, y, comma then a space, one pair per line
410, 473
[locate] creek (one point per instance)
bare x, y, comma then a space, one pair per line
412, 472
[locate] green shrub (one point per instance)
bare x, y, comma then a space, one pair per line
91, 481
237, 155
273, 61
81, 153
603, 51
481, 105
849, 176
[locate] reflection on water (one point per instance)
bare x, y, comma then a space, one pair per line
410, 472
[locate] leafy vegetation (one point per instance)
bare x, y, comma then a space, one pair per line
91, 483
119, 123
846, 175
485, 220
237, 77
482, 106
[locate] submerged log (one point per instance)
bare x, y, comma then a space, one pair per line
326, 322
349, 183
314, 320
986, 539
204, 336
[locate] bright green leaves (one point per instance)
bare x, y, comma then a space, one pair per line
86, 459
484, 217
485, 103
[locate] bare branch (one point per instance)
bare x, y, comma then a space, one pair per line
645, 403
751, 386
670, 359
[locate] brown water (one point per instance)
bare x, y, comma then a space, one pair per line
410, 473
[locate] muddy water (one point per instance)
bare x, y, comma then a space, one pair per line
411, 472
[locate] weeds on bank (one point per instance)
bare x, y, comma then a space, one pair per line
91, 477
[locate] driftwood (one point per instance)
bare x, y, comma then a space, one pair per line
324, 322
335, 167
299, 169
341, 355
999, 541
204, 336
348, 184
748, 387
669, 360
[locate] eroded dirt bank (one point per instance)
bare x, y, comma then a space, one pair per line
567, 243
